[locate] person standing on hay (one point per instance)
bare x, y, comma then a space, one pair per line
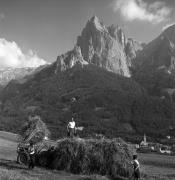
136, 166
31, 151
71, 128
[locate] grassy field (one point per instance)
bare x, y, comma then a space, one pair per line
10, 170
8, 136
158, 166
153, 166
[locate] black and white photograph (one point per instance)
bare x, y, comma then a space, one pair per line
87, 90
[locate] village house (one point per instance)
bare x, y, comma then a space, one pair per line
145, 146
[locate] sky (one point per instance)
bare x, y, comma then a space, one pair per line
33, 32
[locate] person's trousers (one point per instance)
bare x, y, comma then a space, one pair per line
32, 161
71, 132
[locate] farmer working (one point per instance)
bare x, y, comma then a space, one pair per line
31, 151
136, 167
71, 128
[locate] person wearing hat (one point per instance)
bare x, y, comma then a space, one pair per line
136, 167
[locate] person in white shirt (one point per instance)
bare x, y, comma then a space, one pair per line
71, 128
136, 166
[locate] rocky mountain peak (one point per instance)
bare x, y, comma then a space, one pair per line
160, 52
169, 33
99, 45
70, 59
116, 32
169, 29
95, 23
131, 48
103, 46
95, 20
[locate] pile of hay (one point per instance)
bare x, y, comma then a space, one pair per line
92, 156
34, 130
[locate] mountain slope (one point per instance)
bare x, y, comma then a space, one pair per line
7, 74
155, 64
19, 74
102, 47
94, 75
109, 104
105, 47
159, 53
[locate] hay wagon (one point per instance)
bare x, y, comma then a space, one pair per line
40, 140
36, 132
40, 149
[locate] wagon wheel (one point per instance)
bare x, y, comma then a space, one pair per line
42, 159
24, 158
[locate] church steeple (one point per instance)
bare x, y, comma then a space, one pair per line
144, 139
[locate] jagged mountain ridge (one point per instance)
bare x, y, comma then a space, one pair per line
18, 74
159, 53
106, 47
8, 74
155, 64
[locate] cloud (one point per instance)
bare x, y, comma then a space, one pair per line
12, 56
155, 12
167, 26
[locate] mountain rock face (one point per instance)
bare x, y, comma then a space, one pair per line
132, 47
8, 74
70, 59
154, 66
159, 53
105, 47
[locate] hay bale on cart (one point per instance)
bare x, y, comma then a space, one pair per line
36, 131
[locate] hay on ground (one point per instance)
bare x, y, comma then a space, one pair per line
92, 156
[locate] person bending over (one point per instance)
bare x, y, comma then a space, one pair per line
136, 167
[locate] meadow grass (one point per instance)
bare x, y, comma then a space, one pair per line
40, 174
13, 175
157, 166
153, 166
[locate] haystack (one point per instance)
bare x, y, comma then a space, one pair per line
92, 156
34, 130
